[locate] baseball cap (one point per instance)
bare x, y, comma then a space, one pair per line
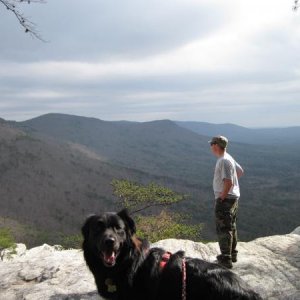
220, 140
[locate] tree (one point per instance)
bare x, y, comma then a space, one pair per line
296, 4
137, 198
14, 7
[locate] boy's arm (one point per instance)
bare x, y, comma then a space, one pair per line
239, 170
226, 188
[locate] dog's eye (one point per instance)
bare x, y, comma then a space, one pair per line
100, 225
119, 230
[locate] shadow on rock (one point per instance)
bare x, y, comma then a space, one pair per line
84, 296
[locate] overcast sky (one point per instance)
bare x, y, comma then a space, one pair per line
219, 61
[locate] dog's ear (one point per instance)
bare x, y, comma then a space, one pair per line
85, 229
128, 220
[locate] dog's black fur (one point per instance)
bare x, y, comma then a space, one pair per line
125, 268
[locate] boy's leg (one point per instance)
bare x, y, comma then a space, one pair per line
225, 215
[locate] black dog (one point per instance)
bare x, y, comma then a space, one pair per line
125, 268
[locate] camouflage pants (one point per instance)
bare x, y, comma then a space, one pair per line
225, 217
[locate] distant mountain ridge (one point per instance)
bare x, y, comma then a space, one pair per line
237, 133
130, 144
260, 136
58, 168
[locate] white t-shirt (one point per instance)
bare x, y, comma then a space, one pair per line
226, 168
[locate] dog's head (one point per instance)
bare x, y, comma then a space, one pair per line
106, 234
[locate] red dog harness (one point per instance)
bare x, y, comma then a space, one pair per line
165, 258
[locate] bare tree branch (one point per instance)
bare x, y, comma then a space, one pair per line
296, 5
29, 26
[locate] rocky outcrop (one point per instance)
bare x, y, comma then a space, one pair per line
270, 265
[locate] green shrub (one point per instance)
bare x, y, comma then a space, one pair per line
167, 225
72, 241
7, 242
6, 239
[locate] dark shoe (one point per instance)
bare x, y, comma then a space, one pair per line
234, 256
225, 261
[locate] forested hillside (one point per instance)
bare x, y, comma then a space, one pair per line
56, 169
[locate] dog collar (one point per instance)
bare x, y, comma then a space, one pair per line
111, 287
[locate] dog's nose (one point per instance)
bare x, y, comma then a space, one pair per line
109, 241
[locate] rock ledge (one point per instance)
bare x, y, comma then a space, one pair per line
271, 265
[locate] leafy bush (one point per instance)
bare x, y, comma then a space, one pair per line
6, 239
72, 241
7, 242
167, 225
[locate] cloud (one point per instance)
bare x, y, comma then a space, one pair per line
100, 29
143, 60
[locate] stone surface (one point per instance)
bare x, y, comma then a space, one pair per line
46, 273
270, 265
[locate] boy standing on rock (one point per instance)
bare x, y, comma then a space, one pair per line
227, 193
